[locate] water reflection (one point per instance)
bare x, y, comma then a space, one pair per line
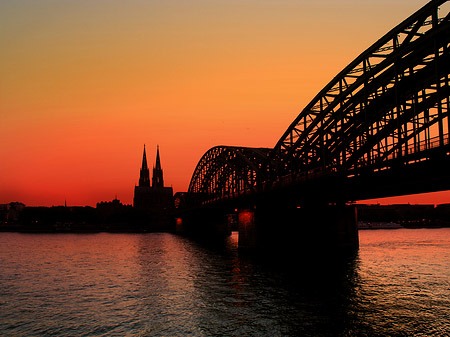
160, 285
220, 292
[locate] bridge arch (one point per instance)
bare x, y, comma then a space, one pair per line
388, 107
228, 171
391, 103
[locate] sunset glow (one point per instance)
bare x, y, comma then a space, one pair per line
85, 84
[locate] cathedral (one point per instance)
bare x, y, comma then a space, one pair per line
155, 197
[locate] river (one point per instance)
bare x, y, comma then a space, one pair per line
165, 285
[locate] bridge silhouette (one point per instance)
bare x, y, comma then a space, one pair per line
379, 128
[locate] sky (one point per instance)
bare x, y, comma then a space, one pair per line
85, 84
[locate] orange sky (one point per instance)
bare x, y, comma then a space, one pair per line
84, 84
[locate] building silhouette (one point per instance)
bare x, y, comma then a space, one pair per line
156, 197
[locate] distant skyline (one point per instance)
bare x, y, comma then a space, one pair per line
84, 84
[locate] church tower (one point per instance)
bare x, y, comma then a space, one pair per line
155, 199
157, 179
144, 179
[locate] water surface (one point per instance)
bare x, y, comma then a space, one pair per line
165, 285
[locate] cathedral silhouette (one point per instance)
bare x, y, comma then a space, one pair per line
155, 197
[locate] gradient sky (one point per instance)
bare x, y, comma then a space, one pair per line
84, 84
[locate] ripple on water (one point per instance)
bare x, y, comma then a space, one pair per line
164, 285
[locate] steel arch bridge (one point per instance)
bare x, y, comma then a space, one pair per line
389, 106
225, 171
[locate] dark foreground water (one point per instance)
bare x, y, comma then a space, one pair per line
164, 285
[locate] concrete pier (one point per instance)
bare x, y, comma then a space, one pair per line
205, 223
320, 230
278, 229
247, 229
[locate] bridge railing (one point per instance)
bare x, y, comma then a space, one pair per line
412, 151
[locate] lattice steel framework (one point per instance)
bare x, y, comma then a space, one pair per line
390, 102
226, 170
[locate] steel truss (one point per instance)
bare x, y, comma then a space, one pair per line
390, 105
390, 102
225, 171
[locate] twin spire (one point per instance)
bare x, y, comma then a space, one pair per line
158, 162
144, 179
144, 160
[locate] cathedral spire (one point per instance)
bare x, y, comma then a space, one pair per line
157, 180
144, 160
158, 161
144, 179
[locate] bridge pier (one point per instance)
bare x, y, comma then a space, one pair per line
248, 234
205, 224
292, 231
278, 230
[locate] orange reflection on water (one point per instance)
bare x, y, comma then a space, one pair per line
240, 271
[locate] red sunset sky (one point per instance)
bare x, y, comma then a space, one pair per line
84, 84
